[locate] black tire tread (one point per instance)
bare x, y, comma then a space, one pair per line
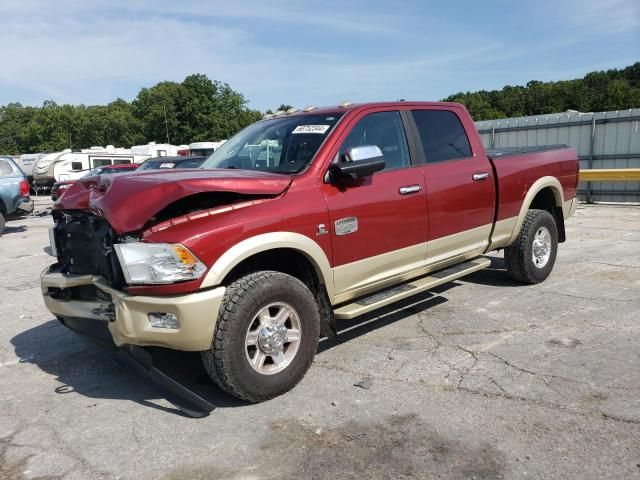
517, 255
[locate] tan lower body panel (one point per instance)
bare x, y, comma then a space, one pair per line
502, 233
457, 247
365, 276
197, 313
373, 271
569, 207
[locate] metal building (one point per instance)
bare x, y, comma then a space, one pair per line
602, 140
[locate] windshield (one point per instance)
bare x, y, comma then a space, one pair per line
280, 145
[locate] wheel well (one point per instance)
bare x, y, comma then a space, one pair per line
285, 260
545, 199
295, 263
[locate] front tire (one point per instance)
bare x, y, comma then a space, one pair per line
2, 223
530, 258
266, 336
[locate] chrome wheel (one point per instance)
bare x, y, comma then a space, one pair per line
541, 250
273, 338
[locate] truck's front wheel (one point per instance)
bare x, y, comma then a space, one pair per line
532, 255
266, 336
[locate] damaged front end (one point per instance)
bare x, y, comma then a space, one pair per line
111, 283
85, 290
84, 245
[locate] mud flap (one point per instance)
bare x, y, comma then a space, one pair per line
328, 327
187, 401
559, 218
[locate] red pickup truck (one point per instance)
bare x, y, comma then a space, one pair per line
299, 220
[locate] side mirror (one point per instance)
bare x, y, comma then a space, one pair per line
359, 162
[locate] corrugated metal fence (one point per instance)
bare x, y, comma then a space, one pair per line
602, 140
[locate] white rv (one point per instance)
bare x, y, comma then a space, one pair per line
27, 161
204, 149
70, 165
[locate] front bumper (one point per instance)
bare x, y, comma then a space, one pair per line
126, 316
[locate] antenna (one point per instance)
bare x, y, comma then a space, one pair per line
166, 126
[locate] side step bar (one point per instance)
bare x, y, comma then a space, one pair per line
366, 304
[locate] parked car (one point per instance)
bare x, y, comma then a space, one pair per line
172, 162
299, 221
59, 188
14, 192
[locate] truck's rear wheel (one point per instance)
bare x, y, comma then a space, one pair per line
266, 336
532, 255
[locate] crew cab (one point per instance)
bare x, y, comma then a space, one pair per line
298, 221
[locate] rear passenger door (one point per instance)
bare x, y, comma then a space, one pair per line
379, 223
460, 187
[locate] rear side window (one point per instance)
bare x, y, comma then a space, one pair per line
5, 168
442, 135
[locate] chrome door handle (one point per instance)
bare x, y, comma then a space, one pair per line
410, 189
477, 177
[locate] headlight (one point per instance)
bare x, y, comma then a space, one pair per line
158, 263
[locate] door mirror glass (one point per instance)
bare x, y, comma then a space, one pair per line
358, 162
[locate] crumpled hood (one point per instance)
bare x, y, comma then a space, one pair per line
128, 201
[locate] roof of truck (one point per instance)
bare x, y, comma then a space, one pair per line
327, 110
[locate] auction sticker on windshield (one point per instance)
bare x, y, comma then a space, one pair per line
311, 129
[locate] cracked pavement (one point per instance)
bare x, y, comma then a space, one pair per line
480, 378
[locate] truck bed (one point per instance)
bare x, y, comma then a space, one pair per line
517, 169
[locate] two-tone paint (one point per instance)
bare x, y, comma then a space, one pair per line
457, 209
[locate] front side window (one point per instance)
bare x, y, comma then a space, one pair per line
385, 130
280, 145
442, 135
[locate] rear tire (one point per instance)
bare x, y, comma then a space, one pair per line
530, 258
2, 223
266, 336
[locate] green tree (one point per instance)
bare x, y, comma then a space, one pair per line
198, 109
597, 91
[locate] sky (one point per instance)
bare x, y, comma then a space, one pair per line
306, 52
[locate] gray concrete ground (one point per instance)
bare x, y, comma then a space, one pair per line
482, 378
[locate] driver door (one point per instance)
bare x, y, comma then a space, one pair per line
378, 223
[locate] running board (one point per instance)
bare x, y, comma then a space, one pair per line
366, 304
